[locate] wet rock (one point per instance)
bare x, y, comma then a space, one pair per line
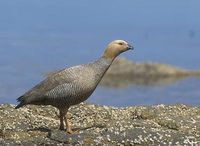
9, 143
59, 136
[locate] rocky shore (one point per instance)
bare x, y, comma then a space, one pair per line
124, 72
175, 125
123, 66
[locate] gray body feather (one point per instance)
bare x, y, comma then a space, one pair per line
67, 87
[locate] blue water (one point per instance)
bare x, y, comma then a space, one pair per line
41, 36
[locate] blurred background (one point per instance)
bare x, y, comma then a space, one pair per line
37, 37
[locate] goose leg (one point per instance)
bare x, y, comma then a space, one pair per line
61, 121
68, 126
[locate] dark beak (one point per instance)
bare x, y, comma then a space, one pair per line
130, 47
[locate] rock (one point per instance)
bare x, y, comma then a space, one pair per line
122, 66
59, 136
170, 124
146, 113
124, 72
96, 125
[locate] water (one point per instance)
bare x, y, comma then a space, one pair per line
41, 36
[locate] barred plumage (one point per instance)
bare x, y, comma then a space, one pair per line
72, 85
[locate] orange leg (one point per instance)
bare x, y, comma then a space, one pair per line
68, 126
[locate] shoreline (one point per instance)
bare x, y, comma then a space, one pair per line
135, 125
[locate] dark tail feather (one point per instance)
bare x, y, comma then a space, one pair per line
19, 99
19, 105
22, 102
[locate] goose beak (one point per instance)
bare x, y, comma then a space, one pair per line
130, 47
